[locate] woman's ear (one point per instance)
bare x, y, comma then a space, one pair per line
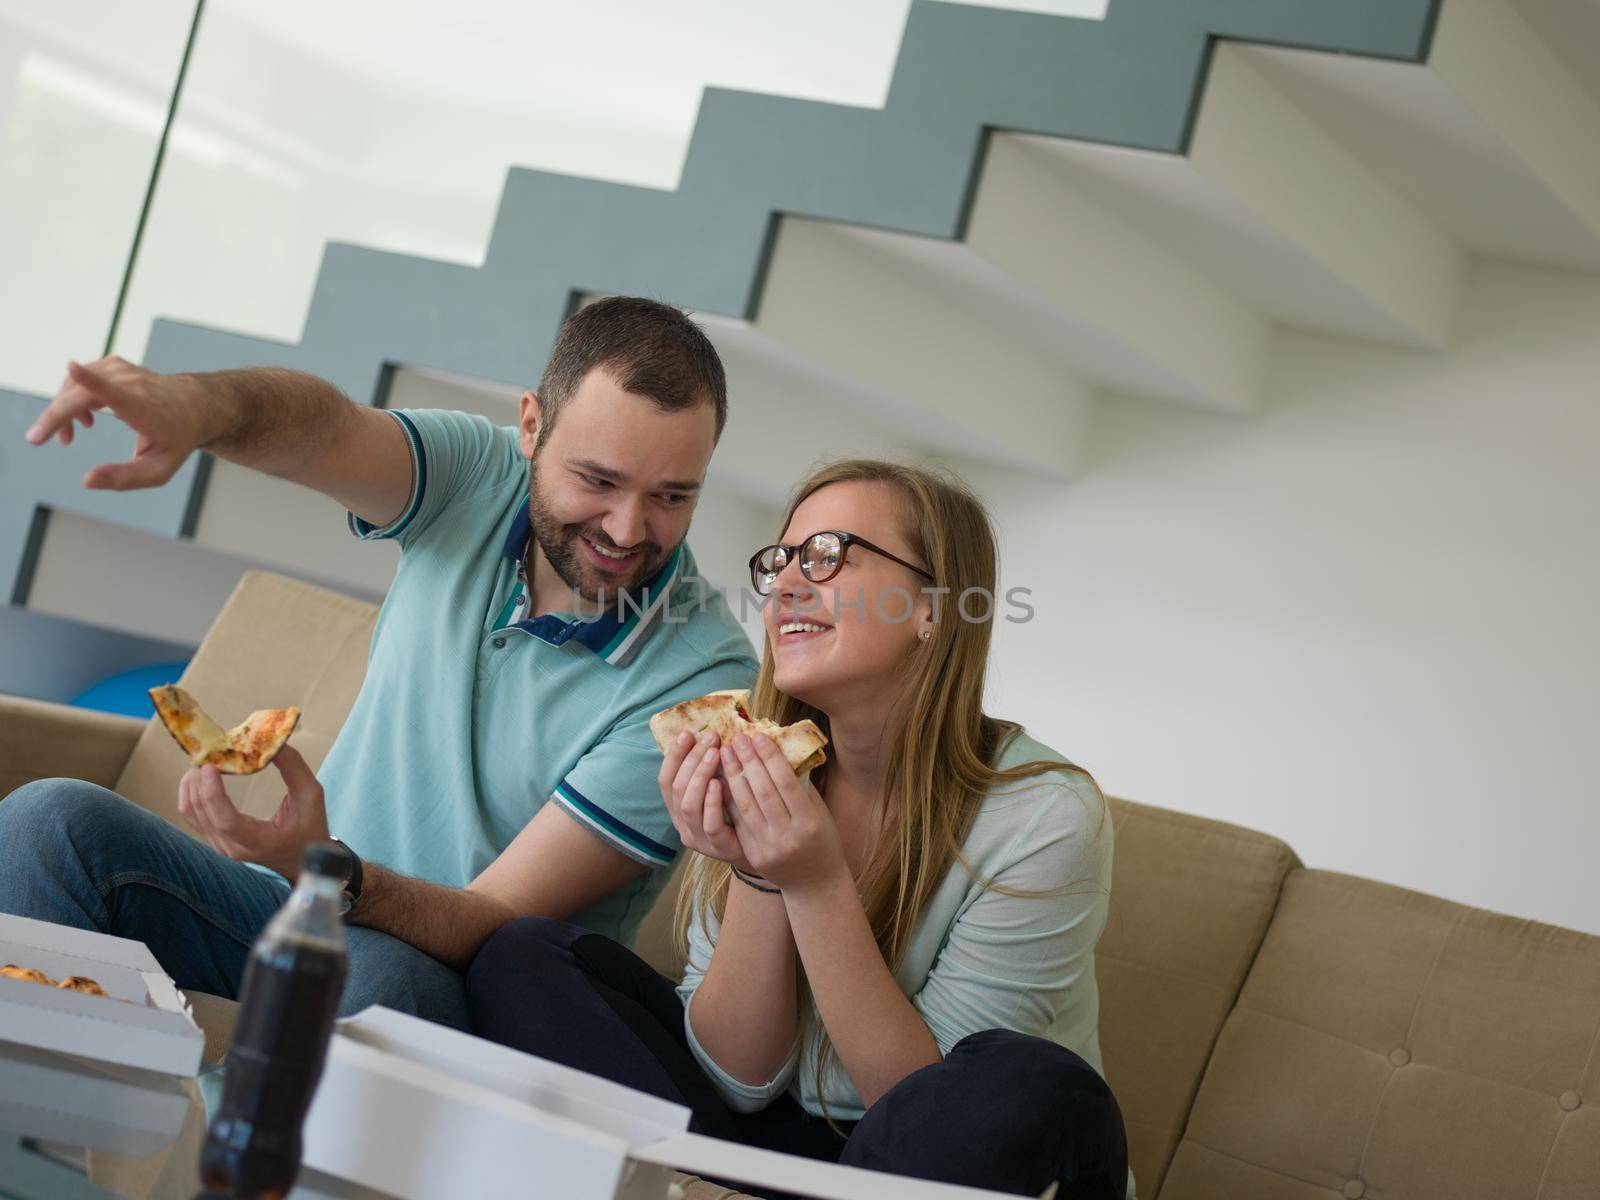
924, 616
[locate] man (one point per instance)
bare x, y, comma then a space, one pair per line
497, 762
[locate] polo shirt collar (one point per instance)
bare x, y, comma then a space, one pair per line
617, 632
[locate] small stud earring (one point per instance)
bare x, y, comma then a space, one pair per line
926, 634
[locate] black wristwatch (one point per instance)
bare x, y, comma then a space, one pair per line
352, 874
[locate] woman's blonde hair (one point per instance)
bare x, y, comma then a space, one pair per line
942, 746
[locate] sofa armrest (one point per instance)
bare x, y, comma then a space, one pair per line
39, 740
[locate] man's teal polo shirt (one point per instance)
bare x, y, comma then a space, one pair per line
471, 718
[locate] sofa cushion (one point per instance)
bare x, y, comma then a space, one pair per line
1191, 900
276, 642
1389, 1043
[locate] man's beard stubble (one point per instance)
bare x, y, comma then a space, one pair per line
559, 544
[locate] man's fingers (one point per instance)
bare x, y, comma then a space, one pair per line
296, 772
213, 804
69, 401
84, 390
108, 383
186, 802
56, 420
149, 470
189, 791
97, 381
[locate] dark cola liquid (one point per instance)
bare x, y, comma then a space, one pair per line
289, 999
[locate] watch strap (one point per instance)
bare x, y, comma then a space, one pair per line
353, 878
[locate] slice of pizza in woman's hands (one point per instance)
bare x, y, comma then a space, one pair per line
727, 714
242, 750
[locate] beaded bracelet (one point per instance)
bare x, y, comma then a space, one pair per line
750, 881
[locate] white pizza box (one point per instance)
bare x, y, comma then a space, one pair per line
76, 1101
422, 1112
144, 1021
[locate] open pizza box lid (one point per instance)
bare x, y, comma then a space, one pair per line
144, 1021
419, 1112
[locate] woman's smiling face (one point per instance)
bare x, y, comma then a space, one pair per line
846, 639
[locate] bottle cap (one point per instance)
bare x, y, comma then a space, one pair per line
328, 859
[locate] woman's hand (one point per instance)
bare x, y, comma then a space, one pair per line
694, 798
782, 824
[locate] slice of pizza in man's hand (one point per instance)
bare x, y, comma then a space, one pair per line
727, 714
242, 750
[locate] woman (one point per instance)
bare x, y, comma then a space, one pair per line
889, 963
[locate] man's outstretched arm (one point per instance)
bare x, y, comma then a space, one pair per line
553, 868
281, 422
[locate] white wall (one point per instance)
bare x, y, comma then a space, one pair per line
1364, 621
84, 89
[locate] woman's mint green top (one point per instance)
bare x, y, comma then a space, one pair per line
981, 959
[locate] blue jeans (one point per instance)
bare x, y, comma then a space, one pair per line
76, 854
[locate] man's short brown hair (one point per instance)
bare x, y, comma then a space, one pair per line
649, 348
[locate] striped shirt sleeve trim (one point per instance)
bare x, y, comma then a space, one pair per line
419, 472
625, 838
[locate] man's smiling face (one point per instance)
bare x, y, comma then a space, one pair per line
614, 485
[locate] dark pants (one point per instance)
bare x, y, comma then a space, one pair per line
1002, 1111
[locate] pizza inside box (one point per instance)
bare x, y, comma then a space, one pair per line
142, 1021
421, 1112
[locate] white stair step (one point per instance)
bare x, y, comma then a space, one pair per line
947, 372
1131, 314
1252, 143
1493, 138
788, 412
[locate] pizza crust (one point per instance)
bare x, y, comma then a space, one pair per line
26, 974
81, 983
727, 714
242, 750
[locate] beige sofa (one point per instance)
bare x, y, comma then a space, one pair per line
1270, 1031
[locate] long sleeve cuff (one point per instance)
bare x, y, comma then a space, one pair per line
741, 1097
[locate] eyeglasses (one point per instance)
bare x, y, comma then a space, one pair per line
821, 557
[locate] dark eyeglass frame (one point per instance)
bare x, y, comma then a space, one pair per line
789, 554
